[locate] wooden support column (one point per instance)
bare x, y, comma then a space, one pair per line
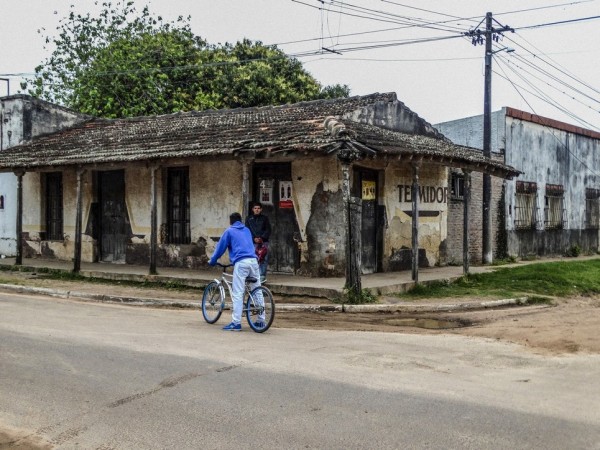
415, 222
19, 232
153, 219
347, 156
78, 216
245, 188
466, 204
354, 255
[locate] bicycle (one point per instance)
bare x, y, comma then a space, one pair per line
259, 306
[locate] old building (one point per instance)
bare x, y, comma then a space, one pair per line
23, 118
158, 190
552, 207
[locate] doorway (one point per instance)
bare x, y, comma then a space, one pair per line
272, 186
366, 188
114, 221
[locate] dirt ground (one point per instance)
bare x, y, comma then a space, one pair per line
569, 325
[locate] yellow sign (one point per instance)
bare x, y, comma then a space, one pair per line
368, 190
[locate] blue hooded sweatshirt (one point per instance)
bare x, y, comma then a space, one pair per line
238, 240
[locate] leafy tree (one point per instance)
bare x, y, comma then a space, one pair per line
123, 64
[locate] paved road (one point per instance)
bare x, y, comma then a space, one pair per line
102, 376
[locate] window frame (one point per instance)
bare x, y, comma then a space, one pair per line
178, 206
54, 209
457, 186
554, 207
592, 208
525, 203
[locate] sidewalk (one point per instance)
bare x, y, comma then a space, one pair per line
315, 293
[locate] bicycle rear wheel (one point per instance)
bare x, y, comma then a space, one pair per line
260, 309
212, 302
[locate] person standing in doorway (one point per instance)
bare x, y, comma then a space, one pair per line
238, 241
260, 227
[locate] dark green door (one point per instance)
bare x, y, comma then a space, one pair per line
114, 221
365, 187
272, 186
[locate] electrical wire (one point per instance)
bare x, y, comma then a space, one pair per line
550, 129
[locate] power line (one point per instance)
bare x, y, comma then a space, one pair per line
551, 130
562, 22
545, 98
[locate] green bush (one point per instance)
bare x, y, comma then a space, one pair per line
351, 297
574, 251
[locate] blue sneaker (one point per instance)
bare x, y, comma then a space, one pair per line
259, 324
233, 327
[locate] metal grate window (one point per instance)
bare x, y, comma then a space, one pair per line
553, 207
178, 205
54, 206
525, 205
592, 208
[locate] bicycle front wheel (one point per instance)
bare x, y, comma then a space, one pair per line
260, 309
212, 302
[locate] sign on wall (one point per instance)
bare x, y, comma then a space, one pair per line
427, 194
285, 194
368, 190
266, 191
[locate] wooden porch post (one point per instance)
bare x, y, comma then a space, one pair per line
353, 280
19, 259
78, 215
153, 219
354, 258
415, 222
467, 201
245, 188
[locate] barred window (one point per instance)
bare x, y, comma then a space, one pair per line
54, 206
457, 186
553, 207
592, 208
525, 204
178, 205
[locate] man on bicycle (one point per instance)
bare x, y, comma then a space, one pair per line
237, 239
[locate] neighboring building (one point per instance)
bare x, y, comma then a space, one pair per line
22, 118
552, 206
191, 170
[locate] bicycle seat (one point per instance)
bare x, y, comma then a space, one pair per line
251, 279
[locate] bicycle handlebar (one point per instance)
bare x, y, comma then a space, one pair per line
224, 266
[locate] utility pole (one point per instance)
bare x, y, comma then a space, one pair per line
488, 36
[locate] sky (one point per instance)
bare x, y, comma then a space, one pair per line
554, 70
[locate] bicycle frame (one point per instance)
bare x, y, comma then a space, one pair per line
227, 280
258, 307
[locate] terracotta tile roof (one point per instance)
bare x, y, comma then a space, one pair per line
287, 128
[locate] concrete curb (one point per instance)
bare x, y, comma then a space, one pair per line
368, 308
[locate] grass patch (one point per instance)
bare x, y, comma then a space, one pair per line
554, 279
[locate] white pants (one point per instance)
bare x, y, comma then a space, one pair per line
242, 269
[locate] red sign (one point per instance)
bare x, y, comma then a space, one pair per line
286, 204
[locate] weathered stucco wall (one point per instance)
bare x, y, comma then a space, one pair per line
21, 118
551, 156
433, 208
318, 188
215, 192
545, 155
8, 214
34, 225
